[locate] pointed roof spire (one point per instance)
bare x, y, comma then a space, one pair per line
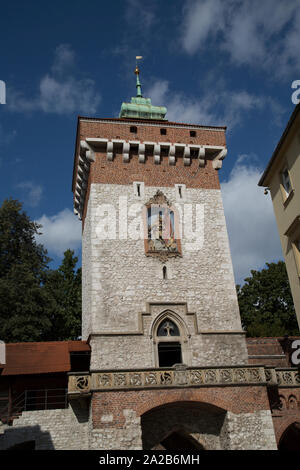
138, 83
139, 107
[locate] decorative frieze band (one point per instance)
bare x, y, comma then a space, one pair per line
283, 377
175, 377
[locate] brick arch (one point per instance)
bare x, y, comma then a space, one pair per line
193, 425
287, 421
226, 399
205, 406
292, 442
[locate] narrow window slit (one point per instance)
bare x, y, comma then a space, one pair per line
164, 272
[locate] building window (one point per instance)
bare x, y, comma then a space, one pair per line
192, 133
163, 131
164, 272
296, 249
293, 234
133, 129
169, 344
138, 189
286, 181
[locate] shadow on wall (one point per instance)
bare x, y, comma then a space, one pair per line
26, 438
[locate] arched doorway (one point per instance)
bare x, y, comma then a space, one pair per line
178, 440
290, 439
189, 426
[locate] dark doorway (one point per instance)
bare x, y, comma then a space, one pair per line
180, 441
169, 353
291, 438
28, 445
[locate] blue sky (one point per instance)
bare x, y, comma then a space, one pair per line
210, 62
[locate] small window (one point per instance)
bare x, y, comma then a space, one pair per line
180, 191
165, 272
133, 129
138, 189
192, 133
163, 131
286, 182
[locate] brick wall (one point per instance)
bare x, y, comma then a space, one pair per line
219, 418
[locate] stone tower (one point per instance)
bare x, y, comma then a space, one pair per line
169, 365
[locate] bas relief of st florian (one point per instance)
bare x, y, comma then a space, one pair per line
161, 228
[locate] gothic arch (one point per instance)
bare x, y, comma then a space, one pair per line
181, 339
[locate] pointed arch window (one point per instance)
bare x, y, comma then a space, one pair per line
168, 343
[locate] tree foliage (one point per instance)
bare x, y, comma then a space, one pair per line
36, 303
64, 287
266, 303
24, 304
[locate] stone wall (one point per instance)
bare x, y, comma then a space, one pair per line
120, 282
61, 429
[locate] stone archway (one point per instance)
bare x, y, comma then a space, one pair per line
182, 426
290, 439
179, 440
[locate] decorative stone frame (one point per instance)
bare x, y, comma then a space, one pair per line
159, 200
182, 339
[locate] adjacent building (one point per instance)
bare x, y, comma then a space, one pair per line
282, 178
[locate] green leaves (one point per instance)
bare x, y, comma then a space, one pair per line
36, 304
266, 303
64, 287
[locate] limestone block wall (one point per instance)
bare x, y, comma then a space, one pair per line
61, 429
250, 431
129, 437
119, 281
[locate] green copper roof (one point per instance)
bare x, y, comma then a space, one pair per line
141, 108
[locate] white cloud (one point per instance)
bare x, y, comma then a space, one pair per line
252, 32
59, 91
233, 104
250, 219
60, 232
32, 192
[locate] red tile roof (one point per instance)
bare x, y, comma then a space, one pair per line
40, 358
